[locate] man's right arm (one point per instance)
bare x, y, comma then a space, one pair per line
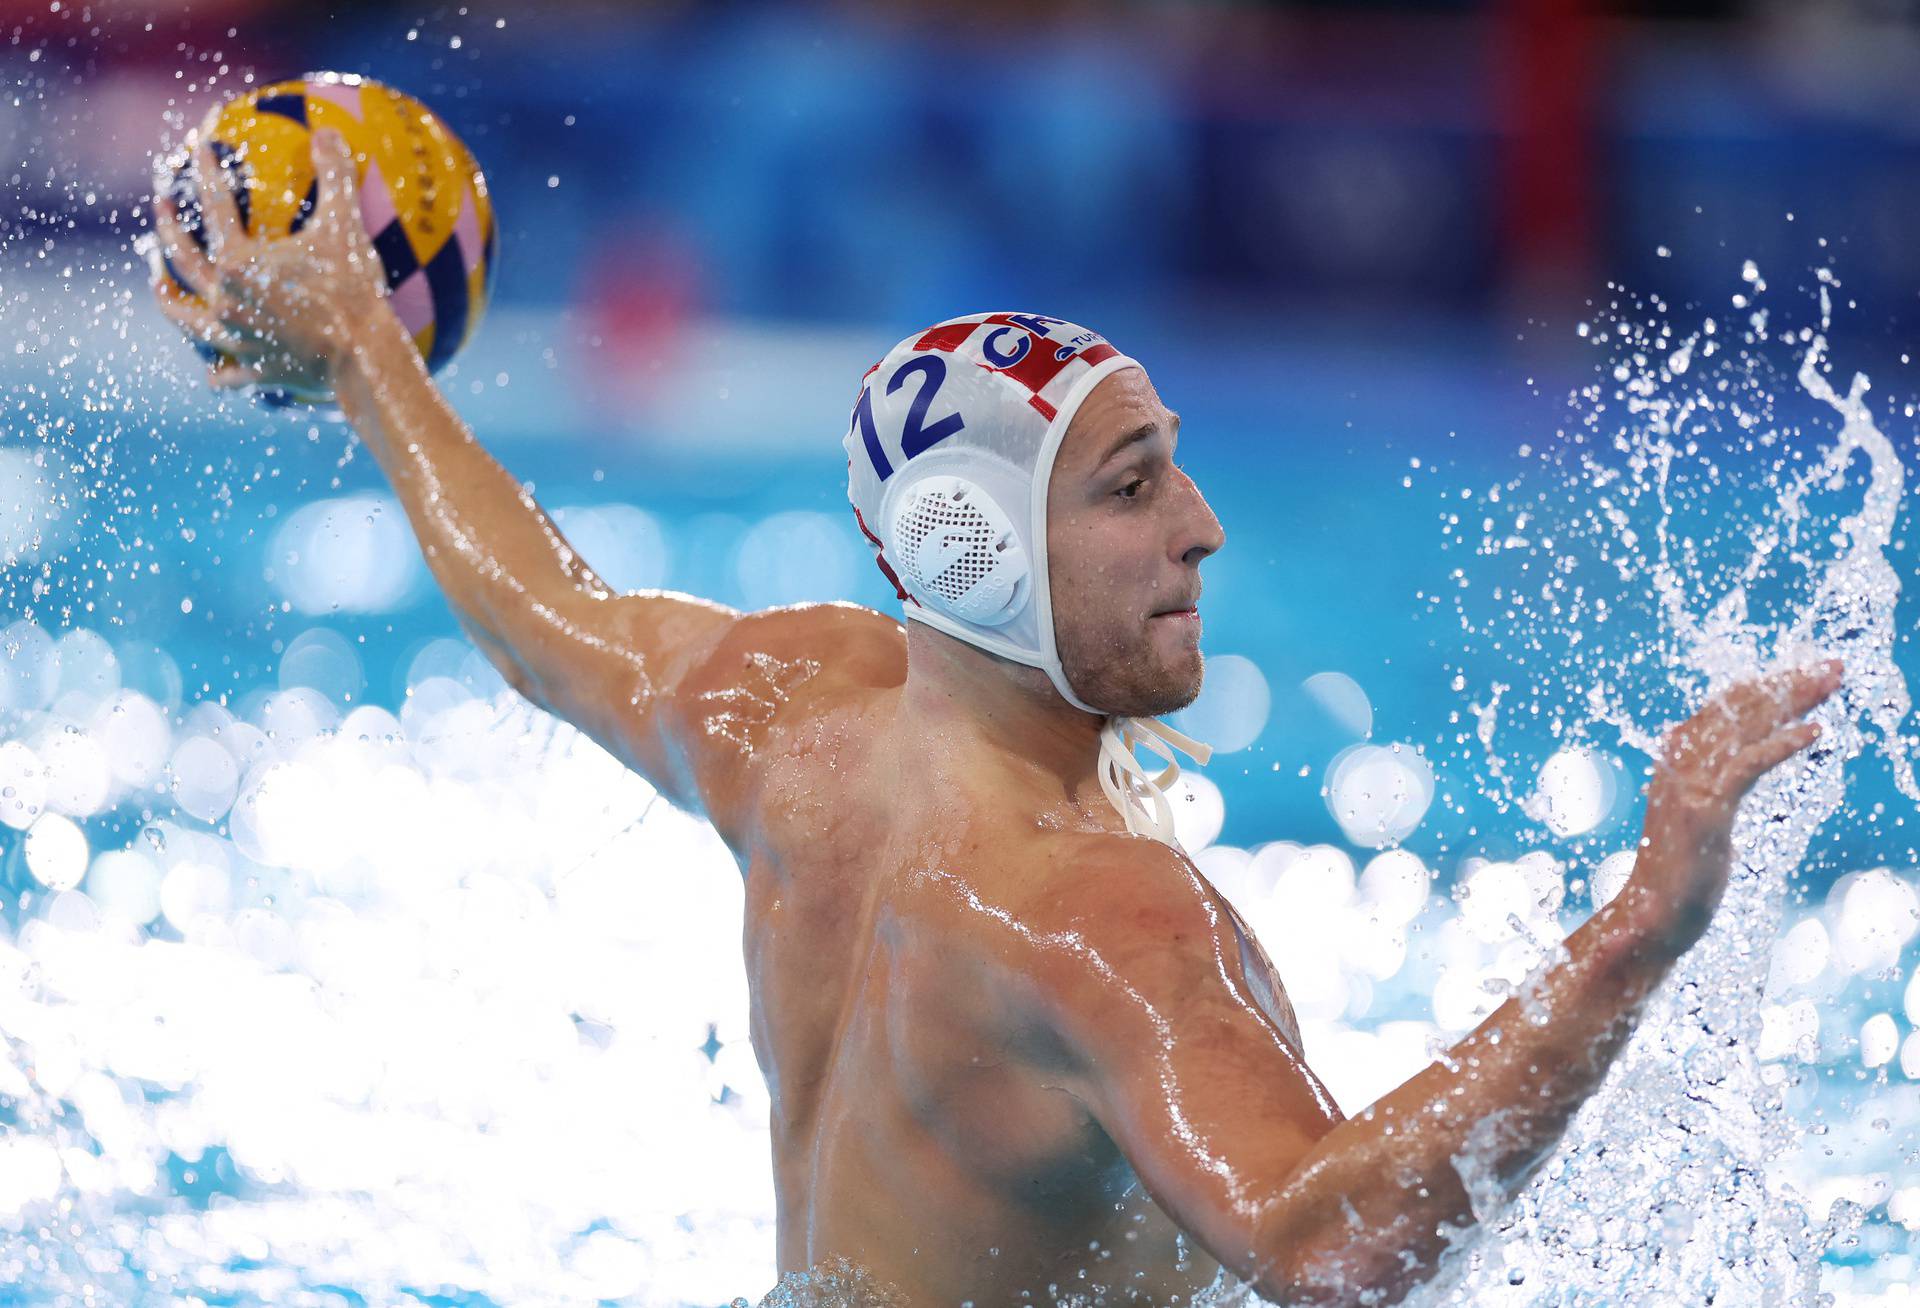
1231, 1133
311, 310
607, 661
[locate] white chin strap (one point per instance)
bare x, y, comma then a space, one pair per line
1139, 795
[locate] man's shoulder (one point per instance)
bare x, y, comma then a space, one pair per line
1119, 862
780, 686
833, 644
782, 665
1113, 887
1083, 894
1092, 934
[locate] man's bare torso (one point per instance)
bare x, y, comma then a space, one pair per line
920, 1123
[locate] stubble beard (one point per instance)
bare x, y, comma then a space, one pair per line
1135, 684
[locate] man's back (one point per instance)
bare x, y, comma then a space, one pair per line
920, 1123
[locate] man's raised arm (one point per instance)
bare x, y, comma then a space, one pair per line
309, 310
1235, 1139
604, 660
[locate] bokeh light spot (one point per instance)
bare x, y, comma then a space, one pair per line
1232, 709
56, 852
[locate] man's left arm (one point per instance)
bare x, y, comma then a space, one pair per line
1193, 1081
1235, 1138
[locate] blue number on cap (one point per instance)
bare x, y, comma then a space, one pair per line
918, 437
863, 419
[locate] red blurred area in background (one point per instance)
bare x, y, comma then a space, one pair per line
1547, 65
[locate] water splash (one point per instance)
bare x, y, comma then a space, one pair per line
837, 1283
1666, 1189
379, 1003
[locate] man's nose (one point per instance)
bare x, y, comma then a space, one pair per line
1204, 533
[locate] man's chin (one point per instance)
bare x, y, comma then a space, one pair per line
1178, 684
1180, 695
1166, 690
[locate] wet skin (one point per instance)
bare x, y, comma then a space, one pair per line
1009, 1046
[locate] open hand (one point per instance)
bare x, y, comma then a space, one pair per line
1708, 765
282, 310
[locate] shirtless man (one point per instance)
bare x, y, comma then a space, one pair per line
1014, 1041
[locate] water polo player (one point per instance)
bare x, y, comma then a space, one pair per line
1014, 1041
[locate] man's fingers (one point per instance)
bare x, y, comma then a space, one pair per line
196, 318
219, 210
228, 325
1794, 691
230, 376
243, 315
203, 324
234, 343
1787, 694
338, 199
1813, 686
1749, 729
1776, 749
178, 248
1753, 710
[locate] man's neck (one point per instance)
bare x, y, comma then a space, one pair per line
1008, 709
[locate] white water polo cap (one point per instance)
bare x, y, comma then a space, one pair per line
949, 453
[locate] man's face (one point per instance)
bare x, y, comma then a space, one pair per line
1126, 531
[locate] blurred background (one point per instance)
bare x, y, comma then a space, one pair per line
1368, 251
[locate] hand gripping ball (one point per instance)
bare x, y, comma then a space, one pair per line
422, 196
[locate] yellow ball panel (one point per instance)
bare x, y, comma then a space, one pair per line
272, 152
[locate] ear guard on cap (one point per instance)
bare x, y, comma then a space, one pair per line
958, 551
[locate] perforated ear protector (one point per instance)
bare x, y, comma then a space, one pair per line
958, 551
